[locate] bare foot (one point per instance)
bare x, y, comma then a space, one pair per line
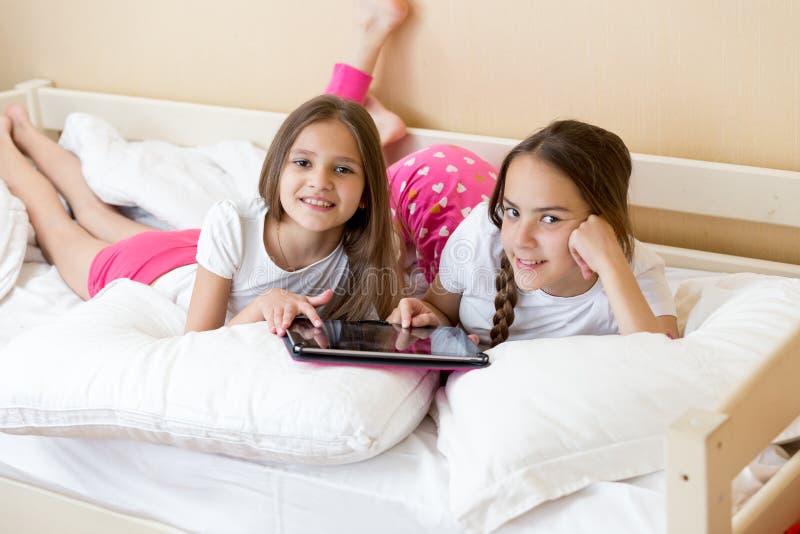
21, 124
380, 17
375, 20
390, 126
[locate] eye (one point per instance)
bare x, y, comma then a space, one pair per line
301, 162
512, 213
341, 169
550, 219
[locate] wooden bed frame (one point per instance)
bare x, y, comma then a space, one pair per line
706, 449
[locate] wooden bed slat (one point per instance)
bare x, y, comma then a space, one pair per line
25, 508
16, 96
775, 506
707, 449
181, 123
676, 184
723, 263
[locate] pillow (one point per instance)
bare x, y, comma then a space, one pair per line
14, 230
151, 175
117, 367
551, 416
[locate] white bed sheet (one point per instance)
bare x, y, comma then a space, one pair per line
402, 490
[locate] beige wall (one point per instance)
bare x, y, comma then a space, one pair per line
712, 80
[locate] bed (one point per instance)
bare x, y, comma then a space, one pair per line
97, 485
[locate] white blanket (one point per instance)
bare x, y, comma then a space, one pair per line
14, 234
174, 184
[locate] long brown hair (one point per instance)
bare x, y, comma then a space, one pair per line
598, 163
373, 281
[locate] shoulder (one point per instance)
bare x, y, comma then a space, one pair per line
221, 247
233, 214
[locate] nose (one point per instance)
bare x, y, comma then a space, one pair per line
525, 234
320, 178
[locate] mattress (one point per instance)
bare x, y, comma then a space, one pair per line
403, 490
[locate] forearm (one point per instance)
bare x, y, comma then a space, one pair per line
631, 310
249, 314
443, 304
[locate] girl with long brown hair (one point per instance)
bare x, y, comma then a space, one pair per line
319, 236
551, 253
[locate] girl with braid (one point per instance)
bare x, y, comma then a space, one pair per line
551, 253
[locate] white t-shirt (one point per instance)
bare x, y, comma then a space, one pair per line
231, 245
470, 263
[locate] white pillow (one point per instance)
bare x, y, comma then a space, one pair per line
551, 416
117, 366
14, 230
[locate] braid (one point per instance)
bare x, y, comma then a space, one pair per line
504, 302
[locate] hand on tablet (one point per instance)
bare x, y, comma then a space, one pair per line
279, 307
413, 312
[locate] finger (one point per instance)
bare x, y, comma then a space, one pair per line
586, 271
406, 308
321, 299
311, 313
394, 317
289, 314
474, 338
277, 317
266, 313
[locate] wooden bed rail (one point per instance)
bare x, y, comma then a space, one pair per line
702, 459
16, 96
699, 187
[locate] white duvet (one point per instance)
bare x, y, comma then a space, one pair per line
14, 234
175, 185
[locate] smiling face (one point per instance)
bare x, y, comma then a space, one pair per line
541, 207
322, 181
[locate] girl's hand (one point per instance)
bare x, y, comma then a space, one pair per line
279, 307
595, 248
413, 312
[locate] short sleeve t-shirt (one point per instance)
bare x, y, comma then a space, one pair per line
231, 245
471, 260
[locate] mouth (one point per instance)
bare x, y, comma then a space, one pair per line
529, 264
317, 202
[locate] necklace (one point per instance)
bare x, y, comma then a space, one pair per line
280, 247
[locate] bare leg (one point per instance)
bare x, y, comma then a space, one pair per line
63, 169
63, 242
375, 21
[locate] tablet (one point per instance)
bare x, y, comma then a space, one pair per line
384, 344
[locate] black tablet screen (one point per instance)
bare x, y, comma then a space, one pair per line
381, 337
